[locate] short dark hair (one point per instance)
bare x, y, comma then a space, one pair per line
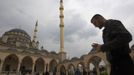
96, 16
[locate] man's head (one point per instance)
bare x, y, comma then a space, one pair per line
98, 20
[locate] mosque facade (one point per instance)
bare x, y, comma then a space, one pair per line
18, 56
21, 55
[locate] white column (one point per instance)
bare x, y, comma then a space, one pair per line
66, 72
97, 69
18, 68
1, 65
44, 67
33, 68
108, 68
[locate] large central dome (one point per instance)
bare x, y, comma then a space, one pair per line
19, 31
16, 37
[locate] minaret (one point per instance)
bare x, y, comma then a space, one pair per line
61, 26
35, 32
35, 43
62, 53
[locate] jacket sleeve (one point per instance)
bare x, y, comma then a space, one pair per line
119, 35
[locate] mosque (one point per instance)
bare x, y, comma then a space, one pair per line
19, 55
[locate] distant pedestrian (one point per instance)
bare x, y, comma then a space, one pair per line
77, 72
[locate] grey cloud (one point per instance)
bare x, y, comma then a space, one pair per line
49, 31
75, 26
87, 33
24, 13
124, 9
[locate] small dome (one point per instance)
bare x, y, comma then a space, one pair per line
82, 57
66, 60
93, 50
53, 52
74, 58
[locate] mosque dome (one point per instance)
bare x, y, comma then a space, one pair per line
16, 37
19, 31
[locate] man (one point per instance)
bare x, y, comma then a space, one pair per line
77, 72
116, 40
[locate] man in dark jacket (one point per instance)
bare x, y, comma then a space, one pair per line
116, 40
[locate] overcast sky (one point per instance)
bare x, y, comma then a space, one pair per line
79, 32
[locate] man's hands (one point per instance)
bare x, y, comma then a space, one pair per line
97, 47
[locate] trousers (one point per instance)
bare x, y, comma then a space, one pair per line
122, 66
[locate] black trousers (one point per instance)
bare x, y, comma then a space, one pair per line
122, 66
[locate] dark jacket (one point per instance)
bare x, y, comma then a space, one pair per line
116, 40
